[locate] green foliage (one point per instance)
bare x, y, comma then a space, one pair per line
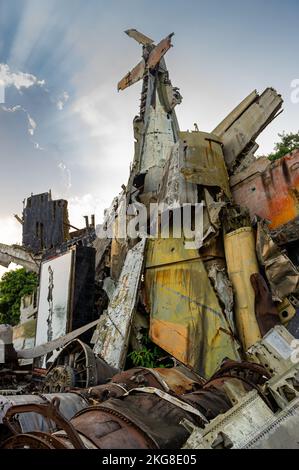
288, 143
13, 286
149, 355
144, 358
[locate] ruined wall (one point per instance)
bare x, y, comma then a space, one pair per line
270, 190
45, 222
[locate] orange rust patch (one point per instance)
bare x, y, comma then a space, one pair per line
178, 382
173, 336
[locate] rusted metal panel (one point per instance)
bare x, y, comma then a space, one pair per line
235, 114
265, 310
172, 380
70, 404
118, 253
203, 161
76, 366
156, 127
223, 287
174, 188
115, 324
287, 234
111, 430
178, 382
211, 216
172, 399
281, 273
159, 51
144, 417
167, 379
133, 76
278, 433
286, 311
240, 136
270, 189
186, 318
157, 419
24, 337
241, 264
139, 37
238, 424
247, 160
255, 421
275, 352
153, 59
57, 343
158, 138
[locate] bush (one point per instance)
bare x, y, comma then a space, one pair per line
13, 286
288, 143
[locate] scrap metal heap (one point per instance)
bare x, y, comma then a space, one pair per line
224, 311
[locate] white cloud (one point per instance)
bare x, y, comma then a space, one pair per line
66, 175
92, 109
87, 204
62, 99
11, 230
37, 146
18, 79
2, 91
11, 233
31, 122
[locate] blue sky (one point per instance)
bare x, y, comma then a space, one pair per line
64, 126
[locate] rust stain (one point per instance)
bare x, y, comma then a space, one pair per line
276, 190
173, 336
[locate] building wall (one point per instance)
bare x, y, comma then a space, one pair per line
270, 189
45, 223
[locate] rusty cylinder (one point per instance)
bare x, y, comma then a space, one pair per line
241, 264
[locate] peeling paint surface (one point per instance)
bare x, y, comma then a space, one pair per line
115, 324
186, 318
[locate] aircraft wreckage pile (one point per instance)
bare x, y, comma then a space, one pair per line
225, 314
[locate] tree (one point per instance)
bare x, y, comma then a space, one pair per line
13, 286
288, 143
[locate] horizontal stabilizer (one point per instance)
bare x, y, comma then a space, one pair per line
154, 57
139, 37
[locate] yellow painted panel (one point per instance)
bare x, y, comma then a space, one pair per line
186, 318
241, 264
